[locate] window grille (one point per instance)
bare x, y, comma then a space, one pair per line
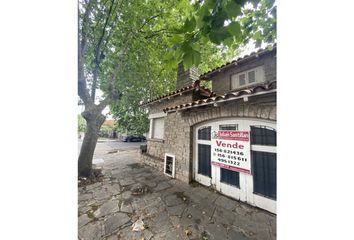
263, 136
204, 160
228, 127
204, 133
264, 166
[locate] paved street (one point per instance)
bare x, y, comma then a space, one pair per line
169, 208
111, 145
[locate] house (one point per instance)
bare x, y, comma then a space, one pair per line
108, 129
224, 138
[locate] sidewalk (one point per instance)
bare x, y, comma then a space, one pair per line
169, 208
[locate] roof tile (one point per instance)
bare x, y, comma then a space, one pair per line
263, 87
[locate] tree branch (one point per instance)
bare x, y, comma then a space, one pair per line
98, 56
82, 43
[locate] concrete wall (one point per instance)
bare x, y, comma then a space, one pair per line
221, 82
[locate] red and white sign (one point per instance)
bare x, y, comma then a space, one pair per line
231, 150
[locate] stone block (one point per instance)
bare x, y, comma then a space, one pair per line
259, 112
265, 112
273, 113
240, 110
252, 110
91, 231
107, 208
246, 110
113, 223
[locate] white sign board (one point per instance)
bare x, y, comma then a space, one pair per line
231, 150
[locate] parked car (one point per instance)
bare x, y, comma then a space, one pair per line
132, 138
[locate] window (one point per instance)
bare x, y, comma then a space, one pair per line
249, 77
264, 161
265, 173
204, 133
204, 160
158, 128
242, 79
228, 127
263, 136
230, 177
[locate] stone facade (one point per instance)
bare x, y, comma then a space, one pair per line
178, 133
178, 126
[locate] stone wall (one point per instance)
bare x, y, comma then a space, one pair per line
222, 81
177, 142
186, 77
152, 161
156, 148
178, 135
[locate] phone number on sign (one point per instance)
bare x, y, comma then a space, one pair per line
235, 163
228, 151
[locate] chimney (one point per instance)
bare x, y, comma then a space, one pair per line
186, 78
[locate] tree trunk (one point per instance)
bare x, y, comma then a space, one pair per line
94, 121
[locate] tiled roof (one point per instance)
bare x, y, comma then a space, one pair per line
194, 86
251, 91
235, 62
109, 122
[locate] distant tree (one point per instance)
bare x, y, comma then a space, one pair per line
106, 130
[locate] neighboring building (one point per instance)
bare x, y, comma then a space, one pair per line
108, 129
226, 138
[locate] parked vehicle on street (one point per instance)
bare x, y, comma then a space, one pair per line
133, 138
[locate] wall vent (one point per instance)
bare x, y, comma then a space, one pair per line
169, 165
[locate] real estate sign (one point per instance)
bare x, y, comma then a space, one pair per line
231, 150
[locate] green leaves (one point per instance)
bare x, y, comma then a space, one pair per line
190, 58
218, 35
224, 23
232, 9
234, 28
189, 25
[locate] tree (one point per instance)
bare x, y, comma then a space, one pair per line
81, 124
130, 49
230, 23
111, 36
